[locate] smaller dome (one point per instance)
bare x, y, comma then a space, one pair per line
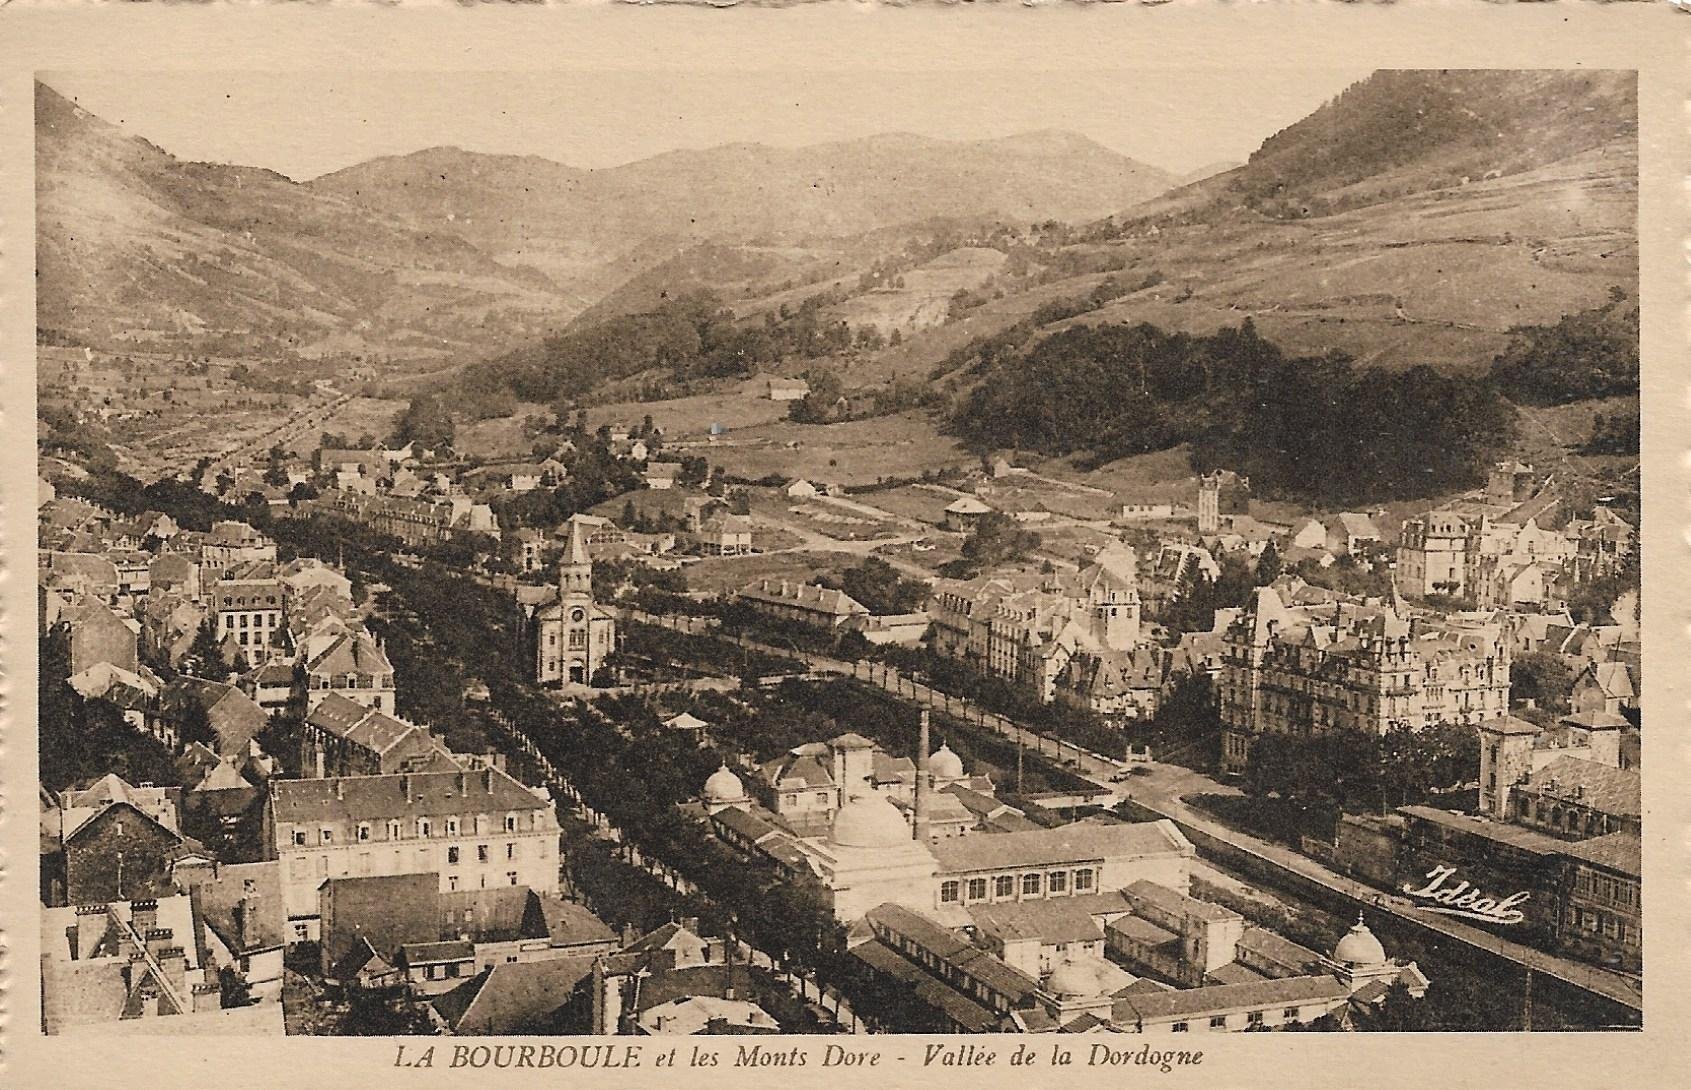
1073, 978
869, 821
1359, 947
723, 786
945, 765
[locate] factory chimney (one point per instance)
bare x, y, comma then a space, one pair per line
924, 784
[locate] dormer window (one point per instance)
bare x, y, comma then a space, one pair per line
451, 826
363, 830
425, 827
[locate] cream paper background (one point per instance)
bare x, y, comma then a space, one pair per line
869, 39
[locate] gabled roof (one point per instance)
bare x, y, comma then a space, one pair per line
512, 997
1616, 791
418, 794
355, 652
1156, 1006
1622, 852
1069, 843
237, 890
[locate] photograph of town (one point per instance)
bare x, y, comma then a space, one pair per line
1029, 554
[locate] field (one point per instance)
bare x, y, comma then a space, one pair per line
501, 438
852, 453
925, 503
690, 418
360, 417
729, 573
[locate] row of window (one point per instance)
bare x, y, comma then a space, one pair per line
1004, 886
1599, 923
1614, 890
425, 827
300, 869
1252, 1018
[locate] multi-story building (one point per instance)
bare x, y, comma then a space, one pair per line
356, 667
805, 603
1026, 629
246, 607
1432, 555
475, 829
1353, 666
232, 543
344, 738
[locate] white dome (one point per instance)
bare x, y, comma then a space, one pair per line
1074, 978
1359, 947
723, 786
945, 765
869, 821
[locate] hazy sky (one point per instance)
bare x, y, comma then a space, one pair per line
308, 123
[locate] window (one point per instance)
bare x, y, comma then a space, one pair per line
452, 882
1218, 1021
451, 826
1254, 1018
510, 823
1290, 1014
511, 877
393, 830
1057, 881
1004, 885
328, 836
481, 853
1030, 885
1178, 1027
424, 827
977, 889
822, 797
299, 837
510, 851
1082, 880
947, 892
363, 830
452, 856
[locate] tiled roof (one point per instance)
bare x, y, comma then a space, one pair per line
1269, 946
1513, 835
426, 953
1176, 903
968, 1014
354, 653
1068, 844
1621, 852
217, 901
422, 794
570, 924
1059, 919
513, 997
337, 713
804, 596
1602, 788
1141, 930
1008, 981
1228, 997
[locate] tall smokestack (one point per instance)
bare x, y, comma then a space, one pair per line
919, 828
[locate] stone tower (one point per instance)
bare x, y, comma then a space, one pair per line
1506, 746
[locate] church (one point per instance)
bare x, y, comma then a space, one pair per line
573, 635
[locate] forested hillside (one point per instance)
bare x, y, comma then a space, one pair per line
1317, 429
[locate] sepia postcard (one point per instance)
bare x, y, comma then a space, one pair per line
950, 546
